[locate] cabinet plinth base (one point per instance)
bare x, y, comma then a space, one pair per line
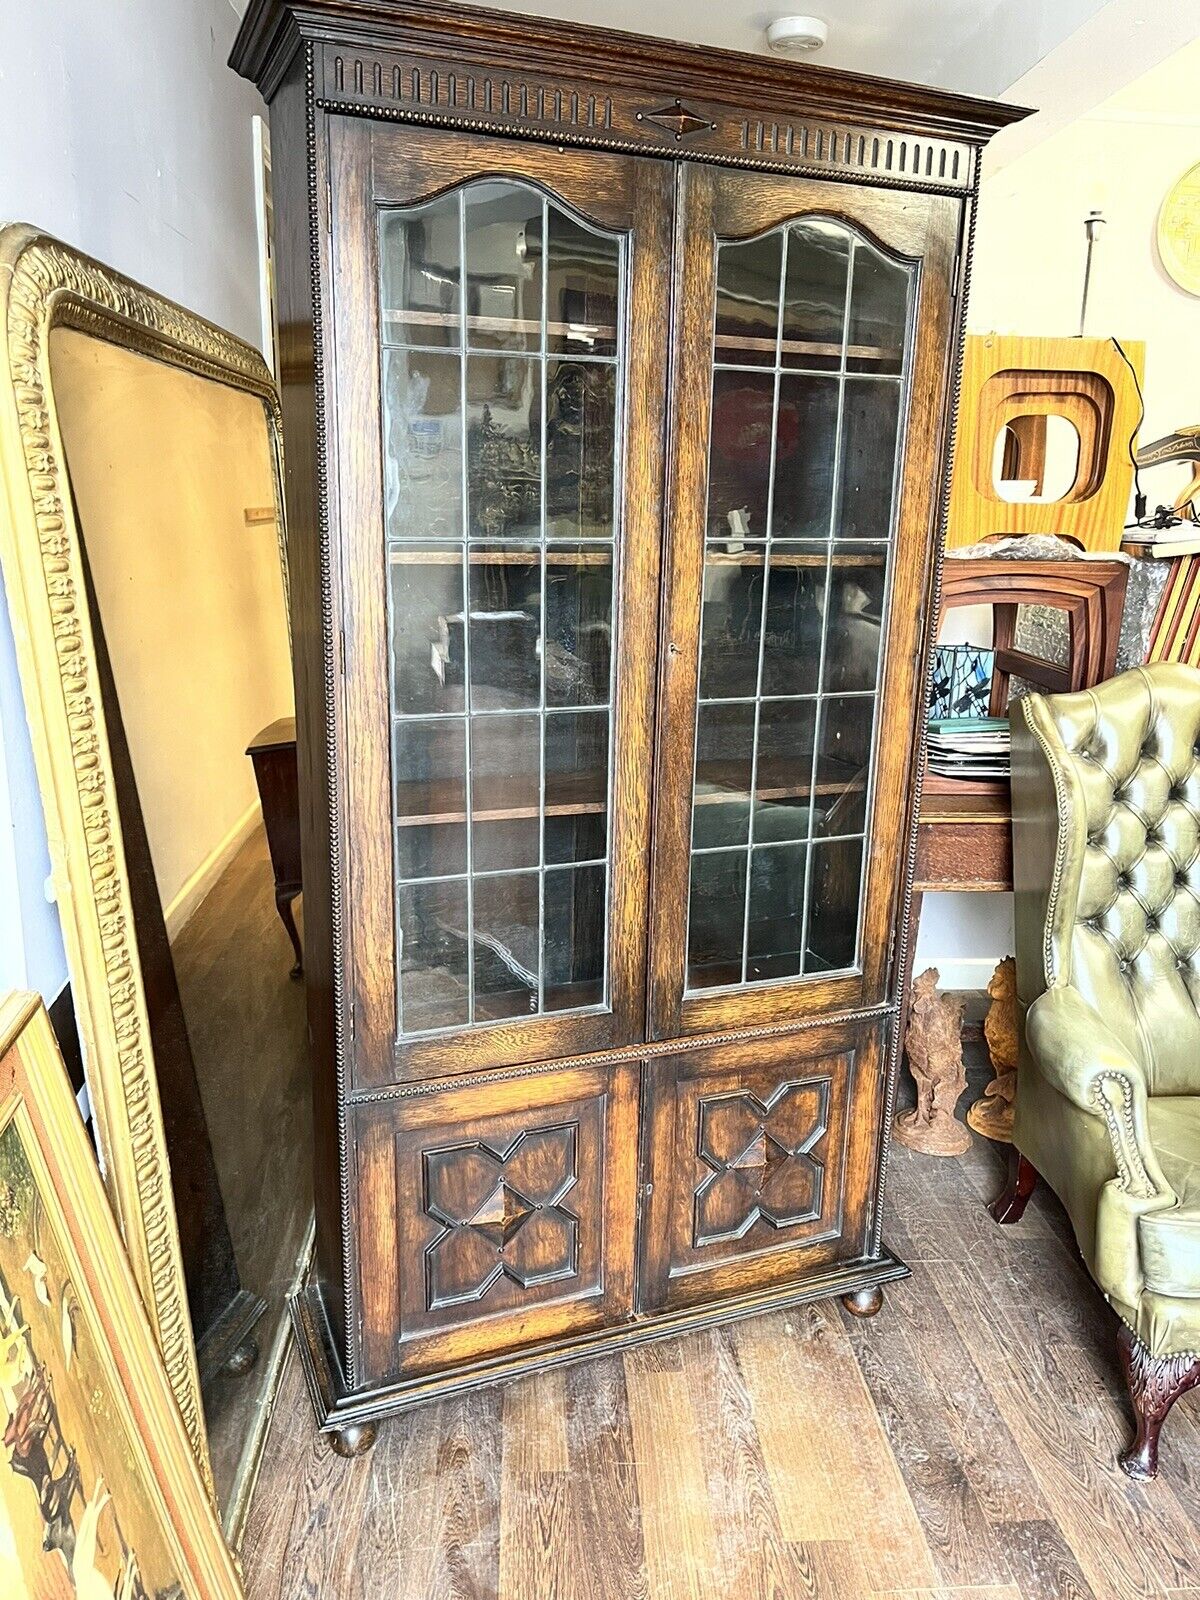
349, 1415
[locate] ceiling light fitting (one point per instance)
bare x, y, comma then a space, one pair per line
793, 36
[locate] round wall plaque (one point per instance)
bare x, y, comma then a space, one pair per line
1179, 231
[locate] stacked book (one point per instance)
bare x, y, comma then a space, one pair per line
969, 747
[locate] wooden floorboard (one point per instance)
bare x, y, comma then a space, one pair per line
960, 1446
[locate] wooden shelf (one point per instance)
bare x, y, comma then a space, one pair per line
584, 332
805, 347
580, 794
789, 558
500, 799
520, 556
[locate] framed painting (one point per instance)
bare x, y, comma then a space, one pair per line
100, 1493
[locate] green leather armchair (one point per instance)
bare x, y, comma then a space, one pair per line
1106, 859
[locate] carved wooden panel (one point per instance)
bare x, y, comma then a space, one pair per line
504, 1213
494, 1215
761, 1157
763, 1160
458, 92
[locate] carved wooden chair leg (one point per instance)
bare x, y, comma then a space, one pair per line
1154, 1383
1009, 1205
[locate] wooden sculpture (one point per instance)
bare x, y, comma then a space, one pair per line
992, 1113
933, 1044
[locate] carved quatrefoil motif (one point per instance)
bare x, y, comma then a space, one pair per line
501, 1214
676, 119
761, 1160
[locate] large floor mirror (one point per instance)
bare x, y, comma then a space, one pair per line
172, 481
163, 453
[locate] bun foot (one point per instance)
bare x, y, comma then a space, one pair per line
864, 1302
354, 1440
244, 1358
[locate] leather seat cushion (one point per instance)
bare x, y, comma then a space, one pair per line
1170, 1240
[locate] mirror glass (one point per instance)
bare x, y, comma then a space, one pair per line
173, 481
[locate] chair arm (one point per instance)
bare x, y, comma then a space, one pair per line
1085, 1061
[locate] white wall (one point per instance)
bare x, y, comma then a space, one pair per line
123, 132
1121, 157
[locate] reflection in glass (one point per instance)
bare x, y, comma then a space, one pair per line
731, 623
805, 456
506, 946
428, 643
505, 757
573, 941
814, 295
797, 580
801, 510
422, 393
724, 766
870, 417
506, 626
857, 580
504, 447
500, 397
878, 309
583, 288
419, 256
748, 302
834, 881
783, 777
431, 798
432, 955
576, 799
717, 892
579, 609
842, 764
739, 458
581, 449
502, 232
774, 927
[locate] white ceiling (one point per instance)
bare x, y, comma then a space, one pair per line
975, 46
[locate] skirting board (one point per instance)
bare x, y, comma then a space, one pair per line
179, 913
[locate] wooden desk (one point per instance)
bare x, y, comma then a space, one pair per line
273, 753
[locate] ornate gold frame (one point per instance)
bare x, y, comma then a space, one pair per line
45, 284
35, 1092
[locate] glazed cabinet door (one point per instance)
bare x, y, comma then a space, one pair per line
501, 316
761, 1160
812, 343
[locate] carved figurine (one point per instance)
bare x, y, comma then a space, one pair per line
992, 1113
934, 1047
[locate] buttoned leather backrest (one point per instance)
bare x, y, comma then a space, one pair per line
1122, 908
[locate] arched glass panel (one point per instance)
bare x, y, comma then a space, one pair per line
502, 356
810, 355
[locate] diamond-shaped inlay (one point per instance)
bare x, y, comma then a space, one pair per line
502, 1214
677, 119
761, 1160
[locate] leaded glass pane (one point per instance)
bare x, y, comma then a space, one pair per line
810, 360
500, 385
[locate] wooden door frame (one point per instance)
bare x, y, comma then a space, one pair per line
921, 228
373, 164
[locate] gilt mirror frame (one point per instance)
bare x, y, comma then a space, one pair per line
44, 285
